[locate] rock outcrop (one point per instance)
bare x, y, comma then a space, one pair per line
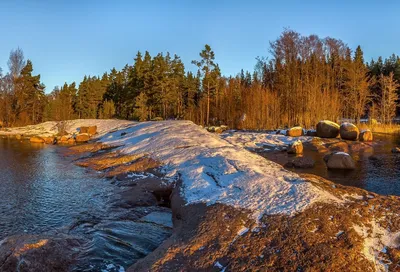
327, 129
38, 253
339, 160
349, 131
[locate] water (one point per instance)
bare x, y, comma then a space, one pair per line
41, 191
377, 169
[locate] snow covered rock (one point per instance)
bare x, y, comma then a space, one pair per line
295, 131
349, 131
327, 129
339, 160
295, 148
366, 136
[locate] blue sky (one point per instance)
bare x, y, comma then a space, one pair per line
67, 39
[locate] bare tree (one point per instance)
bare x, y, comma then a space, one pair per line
389, 87
16, 62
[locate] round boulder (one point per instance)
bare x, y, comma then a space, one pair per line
294, 132
36, 139
366, 136
327, 129
339, 160
349, 131
295, 148
82, 138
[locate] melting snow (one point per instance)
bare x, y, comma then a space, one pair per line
213, 170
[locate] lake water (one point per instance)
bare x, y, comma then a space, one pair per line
377, 168
41, 190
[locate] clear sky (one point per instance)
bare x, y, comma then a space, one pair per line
67, 39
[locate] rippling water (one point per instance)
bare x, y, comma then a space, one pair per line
42, 191
377, 169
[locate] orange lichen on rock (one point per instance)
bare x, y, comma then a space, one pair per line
139, 165
27, 247
108, 160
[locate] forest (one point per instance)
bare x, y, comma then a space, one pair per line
305, 79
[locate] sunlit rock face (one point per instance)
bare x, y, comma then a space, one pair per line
38, 252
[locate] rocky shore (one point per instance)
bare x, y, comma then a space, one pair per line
232, 209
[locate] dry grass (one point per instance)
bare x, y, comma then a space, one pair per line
381, 128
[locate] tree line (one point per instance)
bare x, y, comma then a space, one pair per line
306, 79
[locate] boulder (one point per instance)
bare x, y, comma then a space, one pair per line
301, 162
294, 132
339, 147
223, 127
327, 129
295, 148
50, 140
211, 129
82, 138
36, 139
91, 130
311, 132
218, 130
349, 131
18, 136
339, 160
366, 136
64, 139
71, 141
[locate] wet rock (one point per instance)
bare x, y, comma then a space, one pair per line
327, 129
18, 136
36, 139
82, 138
349, 131
359, 146
366, 136
295, 148
294, 132
43, 253
71, 141
339, 160
339, 147
301, 162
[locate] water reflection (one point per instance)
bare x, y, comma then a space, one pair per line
377, 169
